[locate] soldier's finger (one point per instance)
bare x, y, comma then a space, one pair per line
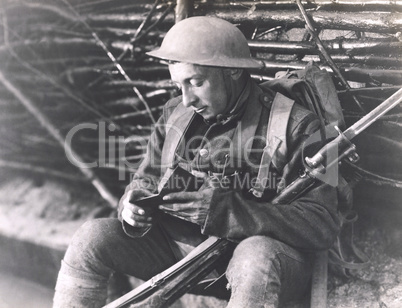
142, 224
134, 209
135, 220
183, 196
176, 207
126, 201
126, 214
141, 218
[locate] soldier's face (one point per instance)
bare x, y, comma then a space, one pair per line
205, 89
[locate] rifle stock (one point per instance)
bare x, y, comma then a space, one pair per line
166, 287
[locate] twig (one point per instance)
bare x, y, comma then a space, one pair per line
340, 46
381, 22
277, 28
113, 59
389, 76
184, 9
161, 84
49, 79
148, 18
328, 4
163, 16
45, 122
47, 171
127, 115
50, 9
375, 76
325, 54
371, 60
373, 89
376, 178
139, 29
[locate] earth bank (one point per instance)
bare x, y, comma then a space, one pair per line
46, 212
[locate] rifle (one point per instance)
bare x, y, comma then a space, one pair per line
164, 288
342, 145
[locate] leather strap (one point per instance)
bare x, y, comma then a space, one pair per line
176, 127
243, 136
275, 151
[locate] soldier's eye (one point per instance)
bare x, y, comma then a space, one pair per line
196, 82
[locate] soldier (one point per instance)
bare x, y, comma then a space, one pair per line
216, 129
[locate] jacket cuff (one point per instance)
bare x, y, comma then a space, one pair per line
134, 232
214, 217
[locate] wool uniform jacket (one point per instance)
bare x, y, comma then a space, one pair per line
182, 137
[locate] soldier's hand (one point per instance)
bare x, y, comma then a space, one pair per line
134, 215
190, 206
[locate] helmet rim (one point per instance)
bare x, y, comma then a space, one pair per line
222, 61
195, 40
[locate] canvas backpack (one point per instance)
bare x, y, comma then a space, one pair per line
314, 89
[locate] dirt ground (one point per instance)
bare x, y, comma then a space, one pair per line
35, 294
49, 211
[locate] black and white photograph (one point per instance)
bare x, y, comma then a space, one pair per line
200, 154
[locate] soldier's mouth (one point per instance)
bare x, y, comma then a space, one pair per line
200, 110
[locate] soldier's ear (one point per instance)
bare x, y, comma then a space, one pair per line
234, 73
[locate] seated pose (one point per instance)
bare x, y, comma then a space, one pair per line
216, 130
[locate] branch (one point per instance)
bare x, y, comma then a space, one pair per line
376, 178
45, 122
322, 4
113, 59
43, 170
381, 22
342, 46
310, 28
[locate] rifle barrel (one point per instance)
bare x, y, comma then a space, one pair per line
302, 184
373, 115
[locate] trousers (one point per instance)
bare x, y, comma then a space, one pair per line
262, 272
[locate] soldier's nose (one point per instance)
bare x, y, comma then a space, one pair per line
189, 98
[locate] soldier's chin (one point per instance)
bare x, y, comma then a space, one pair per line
207, 116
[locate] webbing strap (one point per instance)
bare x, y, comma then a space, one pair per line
241, 144
336, 253
276, 142
175, 128
336, 257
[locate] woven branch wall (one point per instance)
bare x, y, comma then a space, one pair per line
83, 65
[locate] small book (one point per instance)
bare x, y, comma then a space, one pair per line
174, 180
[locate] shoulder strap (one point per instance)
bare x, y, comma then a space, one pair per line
175, 129
275, 151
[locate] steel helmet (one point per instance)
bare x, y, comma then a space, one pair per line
206, 41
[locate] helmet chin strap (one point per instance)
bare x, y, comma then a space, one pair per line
232, 87
237, 104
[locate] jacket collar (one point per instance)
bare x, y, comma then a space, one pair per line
238, 109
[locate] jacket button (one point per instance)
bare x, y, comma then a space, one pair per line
265, 98
204, 153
